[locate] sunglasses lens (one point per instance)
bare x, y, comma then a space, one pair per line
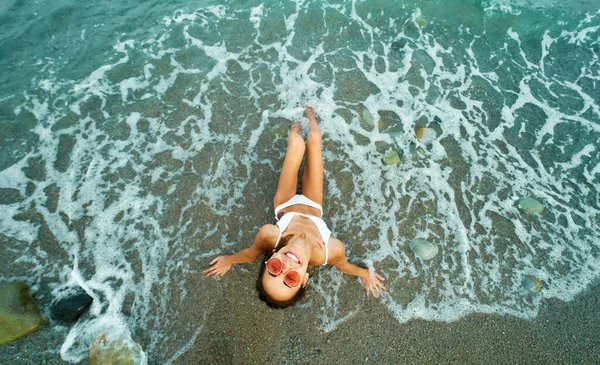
292, 279
274, 266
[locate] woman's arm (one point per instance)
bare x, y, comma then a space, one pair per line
264, 241
372, 281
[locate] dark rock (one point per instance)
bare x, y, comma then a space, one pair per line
68, 310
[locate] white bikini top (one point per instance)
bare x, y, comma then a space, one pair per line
321, 226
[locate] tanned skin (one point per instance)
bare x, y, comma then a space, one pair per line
305, 246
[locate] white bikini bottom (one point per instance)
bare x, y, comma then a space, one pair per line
298, 199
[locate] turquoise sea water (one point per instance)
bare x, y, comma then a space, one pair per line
139, 140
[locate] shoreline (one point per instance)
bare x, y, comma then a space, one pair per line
562, 333
241, 329
140, 165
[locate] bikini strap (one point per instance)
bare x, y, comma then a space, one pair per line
278, 238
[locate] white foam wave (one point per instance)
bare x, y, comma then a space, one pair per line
152, 164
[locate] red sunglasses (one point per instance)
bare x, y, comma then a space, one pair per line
275, 266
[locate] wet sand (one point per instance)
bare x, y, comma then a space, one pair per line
239, 329
242, 330
234, 327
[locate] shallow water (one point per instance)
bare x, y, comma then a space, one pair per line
141, 140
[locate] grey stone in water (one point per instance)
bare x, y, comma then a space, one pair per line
425, 135
424, 249
19, 313
346, 114
417, 152
389, 122
391, 158
529, 205
531, 283
366, 120
456, 103
421, 21
70, 309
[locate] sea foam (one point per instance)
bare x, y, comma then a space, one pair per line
163, 157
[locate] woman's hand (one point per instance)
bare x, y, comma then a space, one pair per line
220, 266
373, 285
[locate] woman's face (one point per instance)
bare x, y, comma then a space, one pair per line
293, 256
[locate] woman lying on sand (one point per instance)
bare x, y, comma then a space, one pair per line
300, 238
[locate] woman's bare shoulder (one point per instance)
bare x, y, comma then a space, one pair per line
336, 249
269, 230
266, 237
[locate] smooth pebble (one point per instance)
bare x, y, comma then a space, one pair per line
424, 249
529, 205
417, 152
115, 349
531, 283
366, 120
425, 136
391, 158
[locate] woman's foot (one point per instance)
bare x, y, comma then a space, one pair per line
312, 120
295, 138
296, 127
310, 113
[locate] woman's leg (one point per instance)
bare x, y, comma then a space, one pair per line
288, 179
312, 181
